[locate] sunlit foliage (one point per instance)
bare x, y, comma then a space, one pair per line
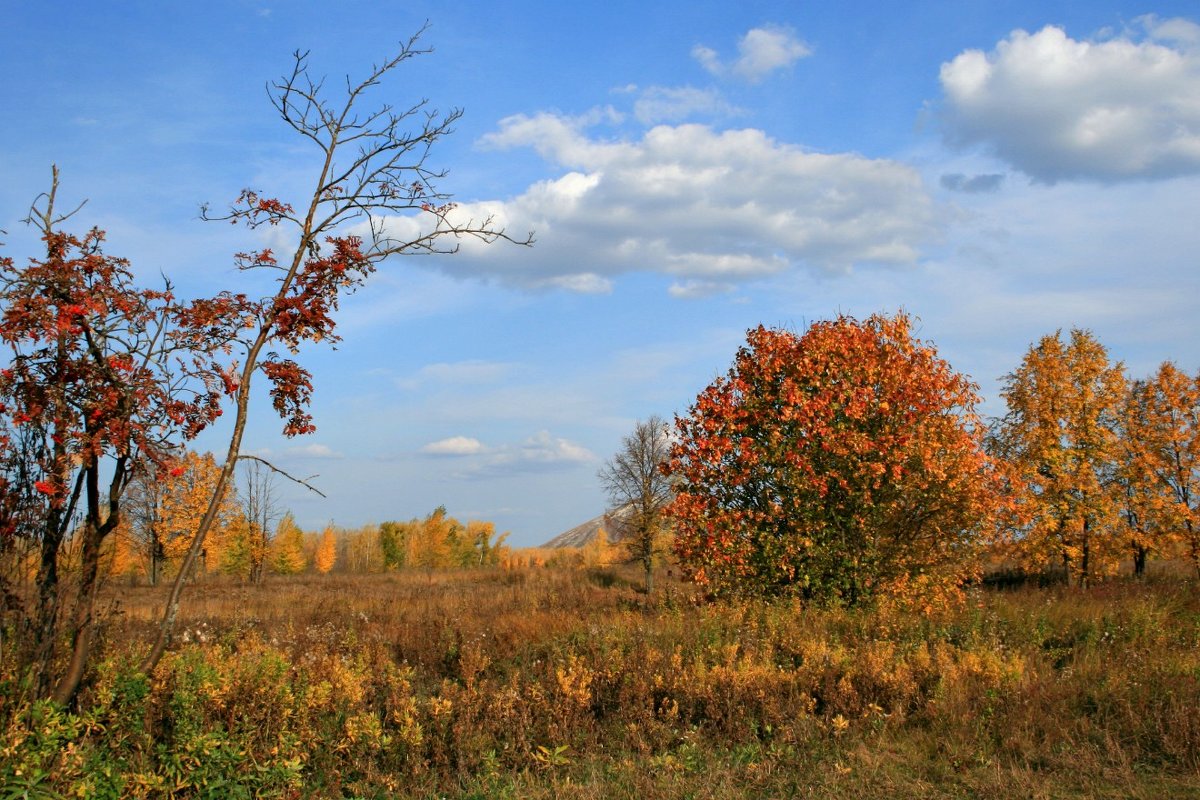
840, 466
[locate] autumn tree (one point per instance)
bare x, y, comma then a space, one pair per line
639, 492
393, 544
1139, 492
482, 547
100, 376
368, 165
326, 554
1162, 438
430, 540
165, 506
842, 466
1060, 438
287, 548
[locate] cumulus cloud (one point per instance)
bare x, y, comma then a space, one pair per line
543, 448
455, 446
696, 204
541, 452
1119, 108
761, 51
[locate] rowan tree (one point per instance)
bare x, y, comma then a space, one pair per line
368, 165
842, 466
100, 376
639, 492
1061, 440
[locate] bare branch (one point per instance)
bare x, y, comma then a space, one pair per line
302, 481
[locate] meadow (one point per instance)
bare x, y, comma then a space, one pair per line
570, 683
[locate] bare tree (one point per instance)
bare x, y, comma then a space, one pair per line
143, 510
370, 164
260, 506
639, 491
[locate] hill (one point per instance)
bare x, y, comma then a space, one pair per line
582, 534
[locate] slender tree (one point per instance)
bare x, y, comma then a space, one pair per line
639, 492
370, 164
260, 508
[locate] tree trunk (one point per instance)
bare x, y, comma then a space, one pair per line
1139, 561
1085, 556
83, 623
47, 607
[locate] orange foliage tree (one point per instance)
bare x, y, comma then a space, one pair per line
326, 555
1163, 437
1061, 439
164, 508
842, 466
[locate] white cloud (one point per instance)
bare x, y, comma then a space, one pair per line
693, 289
542, 448
1179, 30
760, 52
694, 203
312, 451
677, 103
541, 452
455, 446
581, 283
1056, 108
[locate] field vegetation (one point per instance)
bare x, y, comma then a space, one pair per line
569, 682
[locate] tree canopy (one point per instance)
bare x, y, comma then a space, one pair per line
839, 466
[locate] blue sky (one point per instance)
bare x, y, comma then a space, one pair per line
998, 169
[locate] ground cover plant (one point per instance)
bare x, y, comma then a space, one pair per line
572, 683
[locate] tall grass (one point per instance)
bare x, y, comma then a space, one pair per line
547, 683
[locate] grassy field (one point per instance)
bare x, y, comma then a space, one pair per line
571, 684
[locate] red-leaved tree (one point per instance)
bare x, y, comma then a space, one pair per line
96, 385
841, 466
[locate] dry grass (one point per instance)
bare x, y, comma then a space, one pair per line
549, 683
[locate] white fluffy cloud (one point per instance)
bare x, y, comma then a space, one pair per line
709, 208
455, 446
1117, 108
760, 52
541, 452
543, 448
